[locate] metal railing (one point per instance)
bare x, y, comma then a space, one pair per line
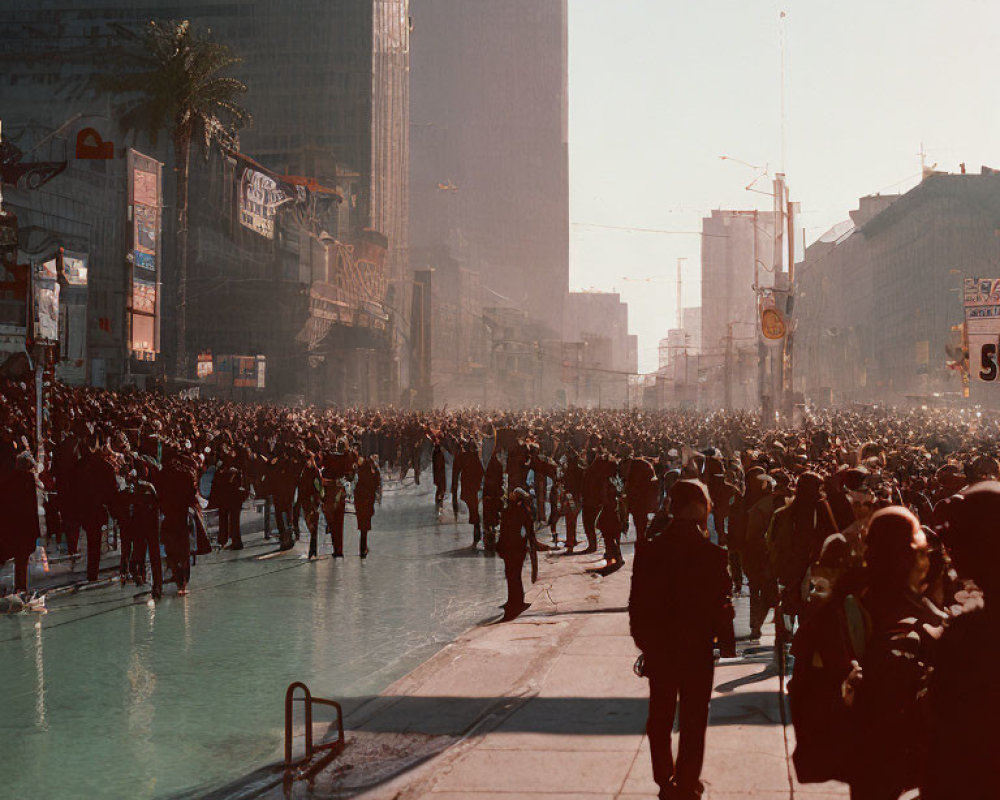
334, 748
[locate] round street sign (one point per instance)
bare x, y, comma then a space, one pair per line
772, 324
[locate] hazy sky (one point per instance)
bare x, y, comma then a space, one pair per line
659, 89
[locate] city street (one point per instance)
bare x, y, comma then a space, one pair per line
105, 696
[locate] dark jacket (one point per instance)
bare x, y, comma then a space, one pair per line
19, 528
680, 604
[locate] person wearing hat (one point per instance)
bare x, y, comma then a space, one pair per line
517, 529
680, 609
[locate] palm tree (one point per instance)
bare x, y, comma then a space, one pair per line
168, 75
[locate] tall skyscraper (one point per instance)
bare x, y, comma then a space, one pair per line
489, 173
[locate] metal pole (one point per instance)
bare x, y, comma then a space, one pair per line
789, 342
727, 401
761, 348
778, 370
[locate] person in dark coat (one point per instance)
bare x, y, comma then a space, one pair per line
679, 608
338, 472
228, 494
492, 500
439, 472
138, 513
309, 492
177, 490
517, 526
592, 487
572, 487
367, 491
897, 662
963, 697
19, 526
472, 474
98, 499
641, 492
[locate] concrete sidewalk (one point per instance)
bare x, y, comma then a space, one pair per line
548, 707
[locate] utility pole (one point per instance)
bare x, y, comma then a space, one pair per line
789, 309
777, 377
727, 401
761, 347
680, 312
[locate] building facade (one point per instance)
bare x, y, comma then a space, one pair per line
328, 89
878, 299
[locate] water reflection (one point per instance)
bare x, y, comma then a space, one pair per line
130, 701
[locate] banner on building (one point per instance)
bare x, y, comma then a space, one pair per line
46, 302
981, 299
240, 372
260, 197
145, 188
143, 296
75, 268
205, 366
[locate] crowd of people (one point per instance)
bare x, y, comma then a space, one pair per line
867, 535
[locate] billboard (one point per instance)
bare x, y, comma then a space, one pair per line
981, 299
145, 207
75, 268
260, 197
46, 302
241, 372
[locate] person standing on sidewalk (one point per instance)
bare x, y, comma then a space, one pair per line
517, 529
679, 607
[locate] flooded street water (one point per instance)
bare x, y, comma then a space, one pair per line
108, 697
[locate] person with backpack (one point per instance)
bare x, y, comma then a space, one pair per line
827, 648
795, 538
891, 730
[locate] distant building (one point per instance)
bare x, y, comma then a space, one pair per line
731, 243
877, 297
691, 320
489, 173
609, 355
